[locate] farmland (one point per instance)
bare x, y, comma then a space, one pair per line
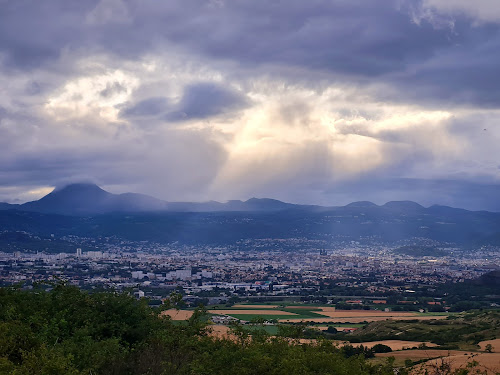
413, 337
317, 314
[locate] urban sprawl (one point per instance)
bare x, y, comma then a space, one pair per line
258, 269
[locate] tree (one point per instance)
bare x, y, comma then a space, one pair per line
331, 329
381, 348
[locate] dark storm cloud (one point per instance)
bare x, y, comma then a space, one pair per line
49, 167
204, 100
32, 33
360, 39
465, 72
147, 107
198, 101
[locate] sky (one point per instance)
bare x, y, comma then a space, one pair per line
317, 102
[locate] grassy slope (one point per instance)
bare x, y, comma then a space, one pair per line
459, 329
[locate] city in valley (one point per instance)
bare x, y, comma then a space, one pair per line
355, 275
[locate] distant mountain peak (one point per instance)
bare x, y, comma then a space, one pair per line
78, 188
263, 200
90, 199
405, 205
267, 204
362, 204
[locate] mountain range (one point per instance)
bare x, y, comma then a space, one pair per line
89, 200
85, 199
88, 211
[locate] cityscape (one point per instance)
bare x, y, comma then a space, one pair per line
249, 187
212, 275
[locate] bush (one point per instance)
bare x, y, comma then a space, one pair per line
381, 348
331, 329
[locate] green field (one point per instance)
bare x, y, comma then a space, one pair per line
354, 325
302, 313
222, 307
250, 317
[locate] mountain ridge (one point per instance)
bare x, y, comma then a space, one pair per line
86, 199
89, 211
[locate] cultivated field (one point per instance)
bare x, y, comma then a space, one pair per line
295, 314
254, 306
494, 343
251, 312
318, 314
365, 314
328, 309
396, 344
305, 308
489, 362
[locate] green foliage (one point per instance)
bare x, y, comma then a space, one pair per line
331, 329
68, 331
295, 331
381, 348
350, 351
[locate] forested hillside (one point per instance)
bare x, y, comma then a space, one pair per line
68, 331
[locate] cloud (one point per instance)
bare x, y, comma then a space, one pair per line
395, 42
102, 92
203, 100
147, 107
481, 11
303, 101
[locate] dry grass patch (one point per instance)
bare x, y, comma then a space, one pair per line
178, 314
221, 332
